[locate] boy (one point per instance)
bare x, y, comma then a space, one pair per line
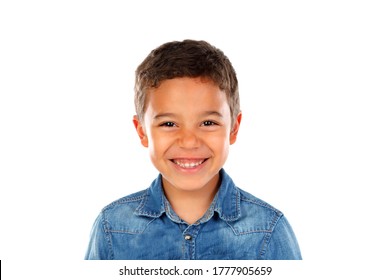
188, 113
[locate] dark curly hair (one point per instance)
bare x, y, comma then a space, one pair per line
188, 58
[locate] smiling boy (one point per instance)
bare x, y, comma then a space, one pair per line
188, 114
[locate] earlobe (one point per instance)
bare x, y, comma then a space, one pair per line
140, 131
234, 131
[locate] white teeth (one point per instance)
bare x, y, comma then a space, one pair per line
188, 164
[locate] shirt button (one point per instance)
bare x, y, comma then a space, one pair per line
188, 237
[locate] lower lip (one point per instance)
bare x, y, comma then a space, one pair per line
190, 169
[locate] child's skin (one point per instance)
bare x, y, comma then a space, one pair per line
187, 127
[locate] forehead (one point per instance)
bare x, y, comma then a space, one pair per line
186, 94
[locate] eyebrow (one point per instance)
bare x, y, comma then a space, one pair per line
204, 114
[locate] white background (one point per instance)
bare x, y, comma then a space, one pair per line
314, 81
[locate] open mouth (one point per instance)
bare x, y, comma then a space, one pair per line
188, 163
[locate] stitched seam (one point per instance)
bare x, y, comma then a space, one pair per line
247, 232
259, 203
264, 246
255, 231
140, 207
108, 237
238, 199
125, 231
275, 220
267, 238
132, 232
130, 199
124, 200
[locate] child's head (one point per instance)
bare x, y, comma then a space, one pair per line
188, 58
188, 112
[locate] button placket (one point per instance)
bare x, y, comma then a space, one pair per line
189, 236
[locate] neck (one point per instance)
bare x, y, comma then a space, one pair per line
190, 206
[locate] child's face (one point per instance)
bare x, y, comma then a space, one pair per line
187, 128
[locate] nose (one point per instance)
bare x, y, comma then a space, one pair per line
188, 139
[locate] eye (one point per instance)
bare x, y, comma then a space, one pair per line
208, 123
168, 124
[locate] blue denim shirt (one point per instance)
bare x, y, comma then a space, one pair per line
237, 226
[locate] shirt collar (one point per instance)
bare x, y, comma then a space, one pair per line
226, 202
152, 205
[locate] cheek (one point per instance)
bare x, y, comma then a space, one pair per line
158, 143
220, 142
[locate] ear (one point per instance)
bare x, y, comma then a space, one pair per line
234, 131
140, 131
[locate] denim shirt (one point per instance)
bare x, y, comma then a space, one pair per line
237, 226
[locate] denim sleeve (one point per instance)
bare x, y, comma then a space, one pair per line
282, 243
99, 244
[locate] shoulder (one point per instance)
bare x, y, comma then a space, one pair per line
250, 201
256, 215
248, 213
126, 203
